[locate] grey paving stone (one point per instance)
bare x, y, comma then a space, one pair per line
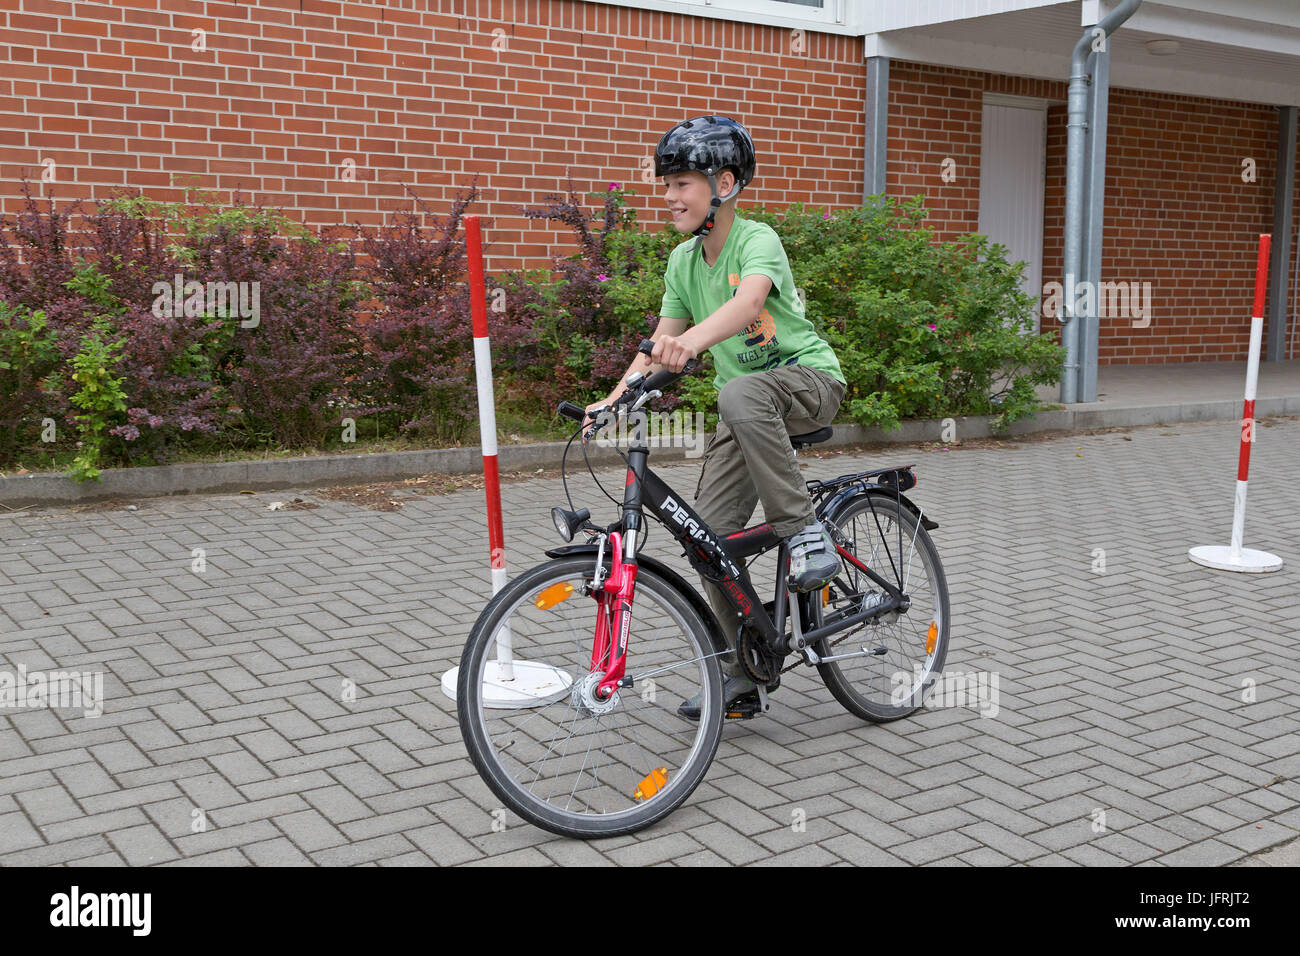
100, 823
48, 805
143, 845
1004, 841
859, 852
1258, 836
309, 831
668, 847
227, 857
1089, 854
67, 851
338, 804
931, 848
1204, 853
528, 856
16, 832
446, 847
984, 856
727, 843
812, 855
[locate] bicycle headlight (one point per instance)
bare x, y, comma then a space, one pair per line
567, 523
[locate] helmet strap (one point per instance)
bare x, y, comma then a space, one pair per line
716, 201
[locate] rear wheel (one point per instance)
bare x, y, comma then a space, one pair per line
904, 650
558, 755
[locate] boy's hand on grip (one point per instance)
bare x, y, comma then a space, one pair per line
673, 352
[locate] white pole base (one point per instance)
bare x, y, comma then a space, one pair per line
533, 685
1247, 559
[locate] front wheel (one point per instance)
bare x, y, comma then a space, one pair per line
546, 744
901, 655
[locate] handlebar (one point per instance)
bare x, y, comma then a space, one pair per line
659, 380
570, 410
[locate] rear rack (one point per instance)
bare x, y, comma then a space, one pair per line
890, 480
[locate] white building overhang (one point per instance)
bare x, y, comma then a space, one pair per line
1250, 55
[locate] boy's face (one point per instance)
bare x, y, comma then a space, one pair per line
687, 195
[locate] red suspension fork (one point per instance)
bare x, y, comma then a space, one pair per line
613, 618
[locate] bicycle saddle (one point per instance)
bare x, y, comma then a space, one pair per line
812, 438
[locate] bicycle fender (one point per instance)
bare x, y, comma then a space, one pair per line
668, 574
848, 494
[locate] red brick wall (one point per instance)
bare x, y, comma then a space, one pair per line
428, 93
1178, 214
935, 113
416, 93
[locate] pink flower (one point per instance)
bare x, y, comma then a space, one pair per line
613, 186
826, 215
931, 326
602, 277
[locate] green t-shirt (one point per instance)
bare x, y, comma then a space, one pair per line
781, 335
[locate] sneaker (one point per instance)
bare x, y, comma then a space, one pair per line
733, 688
813, 561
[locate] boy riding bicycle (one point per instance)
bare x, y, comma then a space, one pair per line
776, 377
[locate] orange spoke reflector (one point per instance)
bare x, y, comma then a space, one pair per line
652, 784
826, 595
549, 597
932, 637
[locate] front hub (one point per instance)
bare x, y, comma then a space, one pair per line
585, 696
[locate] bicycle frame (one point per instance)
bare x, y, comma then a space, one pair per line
718, 560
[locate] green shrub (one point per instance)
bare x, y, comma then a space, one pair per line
100, 398
28, 355
922, 329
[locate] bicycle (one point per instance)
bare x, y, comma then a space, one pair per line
558, 668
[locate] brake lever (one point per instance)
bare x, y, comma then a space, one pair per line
589, 431
655, 393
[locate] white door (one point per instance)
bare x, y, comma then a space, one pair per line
1013, 157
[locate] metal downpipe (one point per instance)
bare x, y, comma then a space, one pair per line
1075, 177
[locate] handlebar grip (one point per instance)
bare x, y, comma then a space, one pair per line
648, 345
659, 379
570, 410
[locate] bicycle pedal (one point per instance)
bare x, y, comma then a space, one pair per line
747, 707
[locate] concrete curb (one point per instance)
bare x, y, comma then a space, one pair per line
18, 491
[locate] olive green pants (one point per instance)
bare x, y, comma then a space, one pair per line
750, 459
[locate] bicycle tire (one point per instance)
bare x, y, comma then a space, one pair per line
494, 767
903, 700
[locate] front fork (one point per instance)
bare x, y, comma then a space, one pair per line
613, 617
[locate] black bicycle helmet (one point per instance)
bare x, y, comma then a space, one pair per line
707, 144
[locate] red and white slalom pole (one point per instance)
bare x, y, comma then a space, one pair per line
507, 682
487, 425
1235, 557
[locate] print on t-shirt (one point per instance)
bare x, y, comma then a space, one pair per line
760, 336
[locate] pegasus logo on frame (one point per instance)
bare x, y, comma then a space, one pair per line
692, 527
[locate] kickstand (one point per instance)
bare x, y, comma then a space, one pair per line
763, 705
